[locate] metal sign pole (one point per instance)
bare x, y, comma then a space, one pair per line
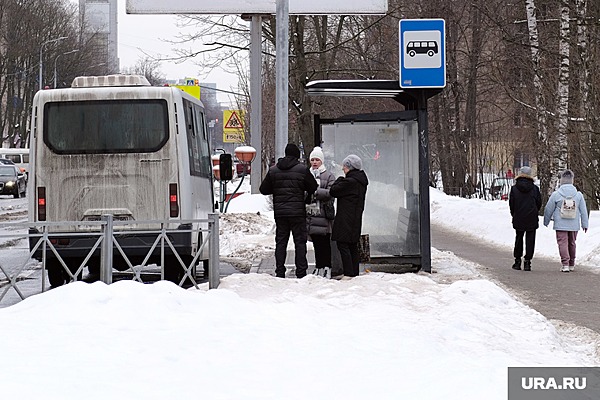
424, 218
256, 102
281, 77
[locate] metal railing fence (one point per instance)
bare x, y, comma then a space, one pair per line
105, 235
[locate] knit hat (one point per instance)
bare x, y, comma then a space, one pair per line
566, 177
292, 150
317, 153
352, 162
526, 172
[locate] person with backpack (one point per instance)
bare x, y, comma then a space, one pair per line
524, 202
566, 207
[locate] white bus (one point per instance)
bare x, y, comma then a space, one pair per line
17, 155
116, 145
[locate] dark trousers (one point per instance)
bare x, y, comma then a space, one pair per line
349, 255
322, 245
283, 226
529, 244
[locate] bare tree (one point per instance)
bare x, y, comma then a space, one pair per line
148, 67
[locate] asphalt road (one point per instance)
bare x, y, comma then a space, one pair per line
572, 297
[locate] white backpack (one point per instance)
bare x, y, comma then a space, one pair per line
568, 209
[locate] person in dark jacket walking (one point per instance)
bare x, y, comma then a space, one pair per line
524, 202
350, 192
318, 224
290, 183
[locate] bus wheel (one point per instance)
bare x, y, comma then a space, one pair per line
55, 273
73, 264
173, 271
205, 265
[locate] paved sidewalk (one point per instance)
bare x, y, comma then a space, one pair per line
267, 265
572, 297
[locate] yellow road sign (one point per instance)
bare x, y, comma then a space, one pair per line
233, 127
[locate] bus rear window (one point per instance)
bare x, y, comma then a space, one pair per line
104, 127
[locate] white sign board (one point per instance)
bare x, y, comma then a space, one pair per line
305, 7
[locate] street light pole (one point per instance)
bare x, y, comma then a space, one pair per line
56, 59
41, 59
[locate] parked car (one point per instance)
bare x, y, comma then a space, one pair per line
500, 188
12, 181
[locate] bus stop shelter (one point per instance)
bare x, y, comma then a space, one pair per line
394, 148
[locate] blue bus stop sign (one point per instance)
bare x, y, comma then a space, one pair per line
422, 53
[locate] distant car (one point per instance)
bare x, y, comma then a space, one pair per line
12, 181
500, 188
6, 161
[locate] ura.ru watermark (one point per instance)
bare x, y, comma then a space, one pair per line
564, 383
553, 383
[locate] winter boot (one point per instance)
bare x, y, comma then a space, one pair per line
527, 265
517, 264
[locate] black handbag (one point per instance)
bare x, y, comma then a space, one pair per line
329, 210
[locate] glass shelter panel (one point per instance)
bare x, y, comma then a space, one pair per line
390, 156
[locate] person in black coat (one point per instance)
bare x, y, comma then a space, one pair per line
350, 192
524, 202
290, 183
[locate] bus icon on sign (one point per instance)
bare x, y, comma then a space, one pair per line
428, 47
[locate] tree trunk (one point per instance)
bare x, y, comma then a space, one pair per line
562, 148
544, 171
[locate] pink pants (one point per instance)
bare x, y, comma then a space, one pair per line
566, 246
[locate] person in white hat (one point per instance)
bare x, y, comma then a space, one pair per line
320, 214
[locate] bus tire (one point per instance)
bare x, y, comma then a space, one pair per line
55, 273
205, 265
173, 271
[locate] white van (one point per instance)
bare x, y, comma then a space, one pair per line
17, 155
116, 145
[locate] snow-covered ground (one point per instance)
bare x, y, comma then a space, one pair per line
448, 335
490, 221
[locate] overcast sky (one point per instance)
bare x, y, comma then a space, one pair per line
142, 35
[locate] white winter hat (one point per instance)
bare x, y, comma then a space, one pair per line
352, 162
317, 153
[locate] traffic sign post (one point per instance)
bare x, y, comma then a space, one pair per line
422, 53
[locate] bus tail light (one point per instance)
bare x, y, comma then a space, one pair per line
41, 203
173, 200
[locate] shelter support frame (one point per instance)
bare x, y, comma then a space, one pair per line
412, 100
